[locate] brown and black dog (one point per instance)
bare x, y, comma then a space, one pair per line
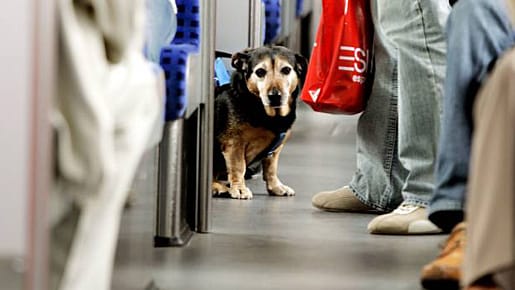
253, 118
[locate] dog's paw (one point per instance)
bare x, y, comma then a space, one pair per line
218, 188
240, 192
281, 190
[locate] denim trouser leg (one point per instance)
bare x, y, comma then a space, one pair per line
478, 32
397, 134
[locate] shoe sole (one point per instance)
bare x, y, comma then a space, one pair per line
443, 284
423, 227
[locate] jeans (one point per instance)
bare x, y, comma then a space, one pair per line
398, 132
478, 32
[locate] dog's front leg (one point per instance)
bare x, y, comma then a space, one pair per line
235, 161
273, 185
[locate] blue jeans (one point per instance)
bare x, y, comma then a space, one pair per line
478, 32
398, 132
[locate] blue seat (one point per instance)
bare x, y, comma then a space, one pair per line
188, 23
174, 57
272, 20
300, 8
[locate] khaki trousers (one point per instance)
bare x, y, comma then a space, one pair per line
491, 196
108, 102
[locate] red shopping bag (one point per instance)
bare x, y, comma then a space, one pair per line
339, 75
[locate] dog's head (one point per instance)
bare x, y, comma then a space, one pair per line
272, 74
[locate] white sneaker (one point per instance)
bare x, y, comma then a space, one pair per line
407, 219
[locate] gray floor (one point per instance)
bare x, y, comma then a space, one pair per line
277, 242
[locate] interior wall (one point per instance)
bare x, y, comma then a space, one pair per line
16, 22
232, 25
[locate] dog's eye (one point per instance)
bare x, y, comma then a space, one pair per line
260, 72
286, 70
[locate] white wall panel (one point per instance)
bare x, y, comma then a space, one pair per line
15, 106
232, 25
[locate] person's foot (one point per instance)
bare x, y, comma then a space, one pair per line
340, 200
445, 271
407, 219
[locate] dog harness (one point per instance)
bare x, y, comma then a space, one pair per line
278, 140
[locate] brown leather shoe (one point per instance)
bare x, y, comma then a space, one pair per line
444, 273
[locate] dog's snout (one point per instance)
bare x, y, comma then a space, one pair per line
274, 97
275, 100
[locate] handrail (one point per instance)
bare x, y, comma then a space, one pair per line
44, 43
207, 52
255, 23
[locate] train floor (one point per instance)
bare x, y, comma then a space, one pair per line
276, 242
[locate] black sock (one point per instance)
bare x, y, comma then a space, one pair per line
446, 219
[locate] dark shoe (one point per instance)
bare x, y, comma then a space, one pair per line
444, 273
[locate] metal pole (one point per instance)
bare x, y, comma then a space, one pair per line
44, 54
207, 49
171, 228
255, 23
169, 179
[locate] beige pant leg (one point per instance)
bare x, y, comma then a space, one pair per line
490, 200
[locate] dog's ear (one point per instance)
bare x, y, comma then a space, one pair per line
301, 66
240, 60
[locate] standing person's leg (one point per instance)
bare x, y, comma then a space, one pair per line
407, 34
421, 50
415, 32
491, 200
477, 32
379, 177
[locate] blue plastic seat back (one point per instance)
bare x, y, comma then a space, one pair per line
272, 20
174, 57
188, 23
300, 8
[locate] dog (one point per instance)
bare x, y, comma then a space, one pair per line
253, 118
